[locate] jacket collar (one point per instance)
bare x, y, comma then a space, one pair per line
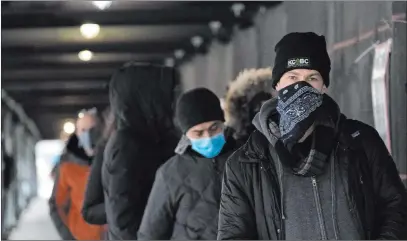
257, 149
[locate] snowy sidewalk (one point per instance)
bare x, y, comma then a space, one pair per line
35, 223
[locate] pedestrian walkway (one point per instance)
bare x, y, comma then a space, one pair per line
35, 223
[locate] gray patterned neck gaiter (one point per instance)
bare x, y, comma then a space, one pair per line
297, 105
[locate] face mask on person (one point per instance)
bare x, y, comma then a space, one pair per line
297, 105
84, 140
88, 139
209, 147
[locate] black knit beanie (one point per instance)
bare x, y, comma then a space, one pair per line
301, 51
197, 106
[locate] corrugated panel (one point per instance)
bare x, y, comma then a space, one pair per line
351, 28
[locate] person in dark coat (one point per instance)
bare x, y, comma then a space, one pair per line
243, 100
93, 209
184, 201
308, 172
141, 97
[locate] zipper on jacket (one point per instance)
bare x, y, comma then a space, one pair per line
319, 208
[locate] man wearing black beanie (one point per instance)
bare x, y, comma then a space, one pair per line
308, 172
184, 201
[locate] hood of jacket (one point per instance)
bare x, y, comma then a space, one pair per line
141, 98
244, 98
261, 120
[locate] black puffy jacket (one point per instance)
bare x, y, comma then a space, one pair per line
184, 201
141, 98
93, 209
250, 205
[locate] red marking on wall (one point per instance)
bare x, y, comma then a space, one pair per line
365, 35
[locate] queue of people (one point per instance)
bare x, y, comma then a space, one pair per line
280, 161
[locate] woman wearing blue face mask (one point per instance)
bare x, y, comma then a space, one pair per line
89, 131
184, 200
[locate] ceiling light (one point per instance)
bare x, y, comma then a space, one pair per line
69, 127
179, 53
169, 62
215, 26
197, 41
263, 9
90, 30
85, 55
81, 115
238, 8
102, 5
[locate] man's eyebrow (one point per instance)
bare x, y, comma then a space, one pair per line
293, 72
213, 125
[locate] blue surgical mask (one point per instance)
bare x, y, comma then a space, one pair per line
84, 140
89, 138
209, 147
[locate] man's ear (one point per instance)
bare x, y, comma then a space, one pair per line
277, 88
274, 93
324, 89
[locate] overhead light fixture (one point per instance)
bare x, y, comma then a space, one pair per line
90, 30
81, 115
215, 26
85, 55
179, 53
197, 41
263, 9
169, 62
102, 5
238, 8
69, 127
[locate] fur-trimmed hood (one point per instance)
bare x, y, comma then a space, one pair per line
244, 98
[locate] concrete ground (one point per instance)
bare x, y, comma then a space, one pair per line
35, 223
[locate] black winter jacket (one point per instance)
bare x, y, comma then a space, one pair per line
184, 201
93, 209
141, 98
250, 205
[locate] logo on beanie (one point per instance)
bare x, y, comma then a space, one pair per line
298, 62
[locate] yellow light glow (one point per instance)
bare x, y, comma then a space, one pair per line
90, 30
69, 127
85, 55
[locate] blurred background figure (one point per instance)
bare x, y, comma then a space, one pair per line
88, 130
243, 100
93, 209
70, 182
55, 162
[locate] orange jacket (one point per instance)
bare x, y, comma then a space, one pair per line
66, 202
